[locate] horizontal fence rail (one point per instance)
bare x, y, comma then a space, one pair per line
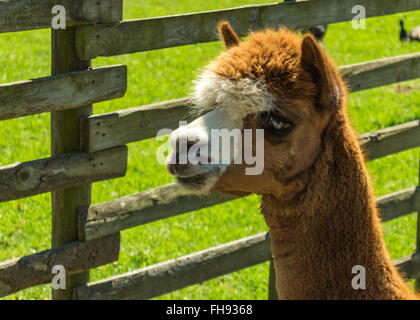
60, 92
177, 30
391, 140
409, 265
399, 203
195, 268
176, 274
61, 172
20, 15
376, 73
104, 131
21, 273
116, 128
141, 208
167, 201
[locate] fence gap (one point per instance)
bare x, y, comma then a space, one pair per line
65, 139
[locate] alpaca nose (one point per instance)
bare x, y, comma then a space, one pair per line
179, 157
182, 147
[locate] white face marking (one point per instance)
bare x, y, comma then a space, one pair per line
237, 97
212, 127
227, 103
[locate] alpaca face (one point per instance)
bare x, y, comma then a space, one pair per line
269, 95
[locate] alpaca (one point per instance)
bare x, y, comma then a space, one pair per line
317, 198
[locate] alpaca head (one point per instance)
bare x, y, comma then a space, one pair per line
270, 97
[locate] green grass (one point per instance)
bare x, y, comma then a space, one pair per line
25, 224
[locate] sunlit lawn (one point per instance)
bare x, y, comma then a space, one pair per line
25, 224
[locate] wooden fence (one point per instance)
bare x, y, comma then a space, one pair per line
86, 148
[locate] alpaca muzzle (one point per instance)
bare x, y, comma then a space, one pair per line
199, 156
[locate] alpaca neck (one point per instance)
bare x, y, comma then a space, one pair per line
330, 226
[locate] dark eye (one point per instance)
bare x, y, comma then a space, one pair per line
274, 123
279, 125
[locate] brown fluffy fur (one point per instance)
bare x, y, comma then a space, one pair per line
229, 36
318, 203
329, 226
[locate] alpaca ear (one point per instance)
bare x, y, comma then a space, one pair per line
323, 72
228, 35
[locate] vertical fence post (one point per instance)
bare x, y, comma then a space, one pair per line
64, 139
272, 289
417, 282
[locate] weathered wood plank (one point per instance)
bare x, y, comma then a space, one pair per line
391, 140
170, 200
20, 273
177, 30
128, 125
195, 268
372, 74
141, 208
19, 15
61, 92
409, 265
65, 138
399, 203
133, 124
61, 172
179, 273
